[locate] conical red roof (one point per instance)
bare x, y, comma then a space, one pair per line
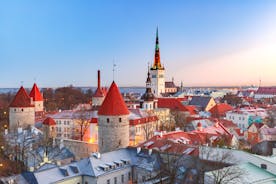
21, 99
35, 93
113, 103
98, 93
49, 121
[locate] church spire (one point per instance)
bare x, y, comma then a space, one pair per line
157, 63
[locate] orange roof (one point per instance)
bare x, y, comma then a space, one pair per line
35, 93
98, 93
21, 99
49, 121
113, 103
174, 104
220, 109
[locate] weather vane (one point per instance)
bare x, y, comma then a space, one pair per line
113, 70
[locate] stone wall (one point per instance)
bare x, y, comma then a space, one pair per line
113, 132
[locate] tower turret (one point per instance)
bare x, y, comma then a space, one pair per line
113, 124
99, 95
37, 99
21, 110
148, 101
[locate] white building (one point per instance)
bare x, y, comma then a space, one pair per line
245, 116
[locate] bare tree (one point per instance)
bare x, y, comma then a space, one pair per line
81, 118
221, 167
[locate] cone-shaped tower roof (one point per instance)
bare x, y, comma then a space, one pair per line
113, 104
21, 99
35, 93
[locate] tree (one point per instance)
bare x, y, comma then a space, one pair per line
221, 167
82, 120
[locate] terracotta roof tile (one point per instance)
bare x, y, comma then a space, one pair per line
49, 121
113, 103
21, 99
35, 93
220, 109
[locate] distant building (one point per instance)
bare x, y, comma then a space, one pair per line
170, 87
203, 103
21, 110
219, 110
243, 117
265, 92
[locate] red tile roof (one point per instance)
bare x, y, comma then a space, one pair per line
219, 110
49, 121
266, 90
113, 103
21, 99
175, 104
99, 93
94, 120
35, 93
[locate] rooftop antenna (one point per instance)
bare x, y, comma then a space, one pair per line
260, 82
113, 69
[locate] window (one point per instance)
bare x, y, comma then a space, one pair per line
14, 110
107, 120
129, 176
86, 182
115, 180
108, 181
22, 110
143, 178
122, 178
120, 119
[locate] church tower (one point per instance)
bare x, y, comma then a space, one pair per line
113, 124
157, 72
148, 101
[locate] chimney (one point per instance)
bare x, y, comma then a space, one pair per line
99, 79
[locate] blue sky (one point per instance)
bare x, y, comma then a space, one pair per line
58, 43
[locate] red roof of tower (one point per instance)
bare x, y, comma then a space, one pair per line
49, 121
113, 103
21, 99
35, 93
98, 93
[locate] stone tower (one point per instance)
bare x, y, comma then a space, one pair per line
21, 110
157, 72
113, 124
99, 95
148, 101
37, 99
